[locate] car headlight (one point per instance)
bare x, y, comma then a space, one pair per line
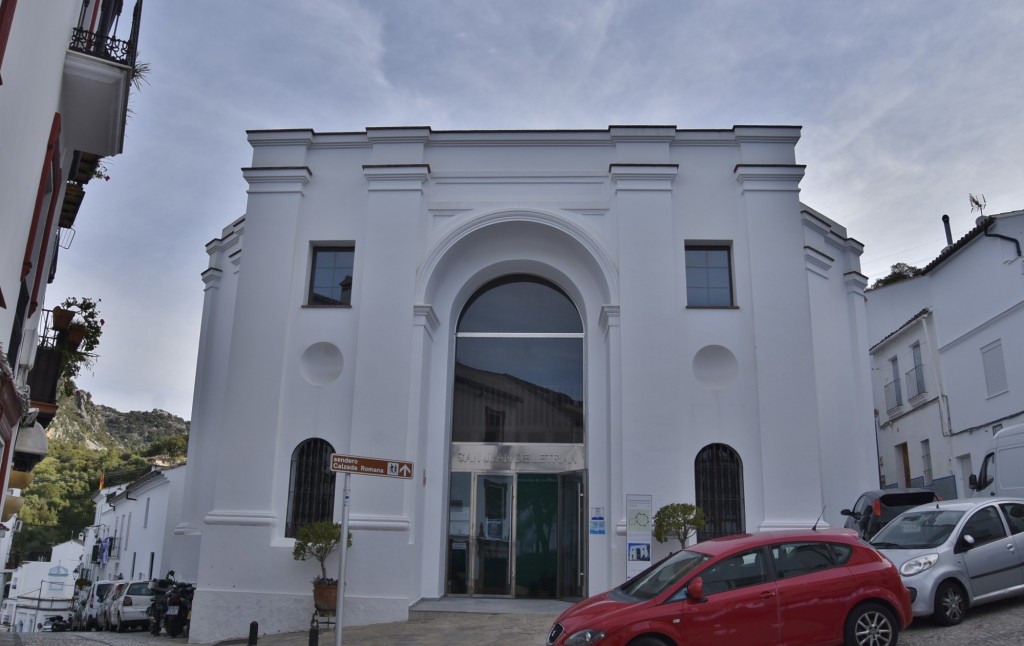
585, 637
919, 564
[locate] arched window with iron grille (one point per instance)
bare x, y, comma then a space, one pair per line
719, 477
310, 485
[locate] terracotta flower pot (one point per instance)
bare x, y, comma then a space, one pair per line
325, 597
62, 318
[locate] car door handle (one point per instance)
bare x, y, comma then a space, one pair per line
767, 595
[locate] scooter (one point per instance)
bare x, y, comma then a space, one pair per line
158, 604
178, 608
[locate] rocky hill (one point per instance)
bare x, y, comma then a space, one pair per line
99, 427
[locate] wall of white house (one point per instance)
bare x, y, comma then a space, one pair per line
781, 378
974, 305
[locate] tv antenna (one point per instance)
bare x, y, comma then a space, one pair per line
977, 203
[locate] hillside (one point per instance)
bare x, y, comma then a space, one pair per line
96, 426
89, 442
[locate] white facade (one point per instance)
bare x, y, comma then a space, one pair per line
65, 75
40, 589
131, 536
956, 337
778, 374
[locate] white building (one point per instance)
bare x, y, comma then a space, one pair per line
65, 72
543, 322
947, 357
132, 534
40, 589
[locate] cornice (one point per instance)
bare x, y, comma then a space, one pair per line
277, 179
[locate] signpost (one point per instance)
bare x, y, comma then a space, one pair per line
359, 465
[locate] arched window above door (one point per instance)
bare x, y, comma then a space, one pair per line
518, 365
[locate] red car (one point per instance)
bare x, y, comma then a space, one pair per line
785, 587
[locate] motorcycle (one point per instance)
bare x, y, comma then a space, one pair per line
178, 608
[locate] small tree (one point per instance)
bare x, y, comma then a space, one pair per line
319, 540
677, 520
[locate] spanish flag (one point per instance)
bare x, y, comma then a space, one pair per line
101, 481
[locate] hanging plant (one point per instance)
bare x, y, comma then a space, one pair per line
79, 342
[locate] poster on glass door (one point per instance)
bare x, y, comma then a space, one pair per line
638, 533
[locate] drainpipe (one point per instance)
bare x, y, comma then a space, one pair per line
945, 425
992, 221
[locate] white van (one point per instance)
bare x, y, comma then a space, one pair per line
1002, 470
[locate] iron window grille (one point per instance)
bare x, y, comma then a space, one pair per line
719, 478
311, 485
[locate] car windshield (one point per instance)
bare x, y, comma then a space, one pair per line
919, 529
656, 579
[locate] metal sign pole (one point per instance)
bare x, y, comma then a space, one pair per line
341, 561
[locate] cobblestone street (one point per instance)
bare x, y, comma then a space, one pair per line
997, 624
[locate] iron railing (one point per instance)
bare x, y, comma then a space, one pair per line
915, 382
893, 396
96, 31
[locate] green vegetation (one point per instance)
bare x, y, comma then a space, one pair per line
677, 520
86, 441
897, 273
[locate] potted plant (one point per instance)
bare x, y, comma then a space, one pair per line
79, 341
319, 540
677, 520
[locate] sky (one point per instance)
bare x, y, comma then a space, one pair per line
906, 109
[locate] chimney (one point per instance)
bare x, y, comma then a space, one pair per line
949, 235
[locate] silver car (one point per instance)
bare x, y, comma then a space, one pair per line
955, 554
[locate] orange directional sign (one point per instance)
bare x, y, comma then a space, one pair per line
371, 466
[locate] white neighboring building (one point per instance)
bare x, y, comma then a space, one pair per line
948, 358
543, 322
131, 536
42, 588
66, 68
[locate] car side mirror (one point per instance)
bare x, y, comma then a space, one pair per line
972, 482
695, 590
965, 543
851, 513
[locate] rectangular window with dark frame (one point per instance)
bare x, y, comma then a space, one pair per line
709, 276
330, 282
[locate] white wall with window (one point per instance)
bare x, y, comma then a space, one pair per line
713, 345
132, 532
42, 588
960, 325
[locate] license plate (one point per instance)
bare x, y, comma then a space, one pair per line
172, 610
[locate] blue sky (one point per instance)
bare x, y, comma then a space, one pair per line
907, 107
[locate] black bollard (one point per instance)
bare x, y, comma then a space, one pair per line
254, 628
314, 631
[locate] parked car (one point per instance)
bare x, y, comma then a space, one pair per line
86, 613
956, 554
1007, 449
55, 623
103, 608
874, 509
792, 587
128, 606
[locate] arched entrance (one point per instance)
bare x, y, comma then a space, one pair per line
718, 472
517, 484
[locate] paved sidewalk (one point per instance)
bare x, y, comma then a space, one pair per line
443, 622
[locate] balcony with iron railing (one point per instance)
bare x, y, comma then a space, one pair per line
893, 396
99, 68
96, 31
113, 549
915, 382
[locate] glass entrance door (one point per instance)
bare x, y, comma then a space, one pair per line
517, 535
572, 529
494, 535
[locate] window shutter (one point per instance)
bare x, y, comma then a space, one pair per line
995, 368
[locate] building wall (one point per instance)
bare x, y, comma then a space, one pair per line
962, 305
606, 216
